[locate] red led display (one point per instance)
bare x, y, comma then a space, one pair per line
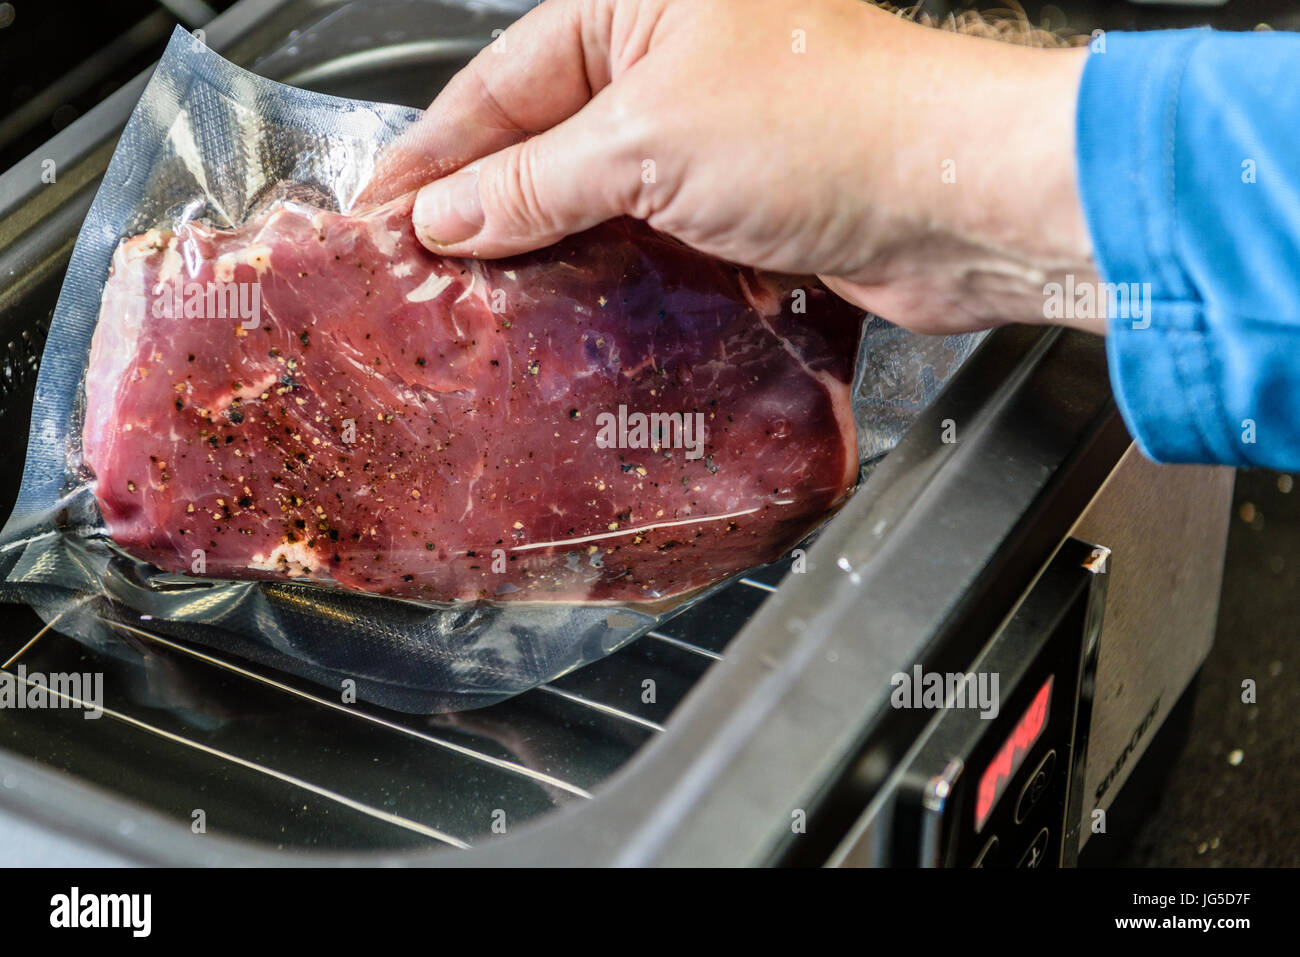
1011, 755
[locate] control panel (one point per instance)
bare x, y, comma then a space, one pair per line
996, 778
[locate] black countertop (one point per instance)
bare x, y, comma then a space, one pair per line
1232, 795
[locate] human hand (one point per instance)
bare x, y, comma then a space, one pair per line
925, 176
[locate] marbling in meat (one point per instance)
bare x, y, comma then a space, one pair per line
317, 396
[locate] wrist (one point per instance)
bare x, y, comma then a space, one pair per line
987, 132
1021, 196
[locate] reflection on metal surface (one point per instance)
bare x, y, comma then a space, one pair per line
1098, 561
532, 754
354, 711
290, 779
684, 645
413, 53
602, 708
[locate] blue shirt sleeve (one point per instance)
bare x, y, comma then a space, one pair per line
1189, 172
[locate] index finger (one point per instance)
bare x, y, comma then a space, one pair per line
540, 71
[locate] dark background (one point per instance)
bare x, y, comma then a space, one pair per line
58, 59
1222, 786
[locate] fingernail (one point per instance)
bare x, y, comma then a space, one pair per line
449, 210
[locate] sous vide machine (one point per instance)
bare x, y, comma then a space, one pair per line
1013, 557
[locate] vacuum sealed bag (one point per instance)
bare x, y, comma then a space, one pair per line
269, 422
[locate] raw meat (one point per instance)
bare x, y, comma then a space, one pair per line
350, 408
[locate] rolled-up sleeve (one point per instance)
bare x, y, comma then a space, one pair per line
1189, 173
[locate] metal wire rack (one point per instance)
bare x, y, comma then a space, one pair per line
234, 749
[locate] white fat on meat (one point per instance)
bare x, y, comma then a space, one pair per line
431, 288
257, 255
171, 266
291, 558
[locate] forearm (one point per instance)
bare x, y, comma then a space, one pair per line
971, 170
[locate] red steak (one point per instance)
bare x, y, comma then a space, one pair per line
402, 423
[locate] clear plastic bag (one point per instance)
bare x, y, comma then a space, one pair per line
190, 462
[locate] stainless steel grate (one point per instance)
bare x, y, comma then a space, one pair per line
274, 759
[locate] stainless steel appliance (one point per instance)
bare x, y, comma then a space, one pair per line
1038, 546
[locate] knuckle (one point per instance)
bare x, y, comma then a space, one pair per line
519, 183
635, 146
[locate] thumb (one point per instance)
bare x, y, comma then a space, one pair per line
531, 194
